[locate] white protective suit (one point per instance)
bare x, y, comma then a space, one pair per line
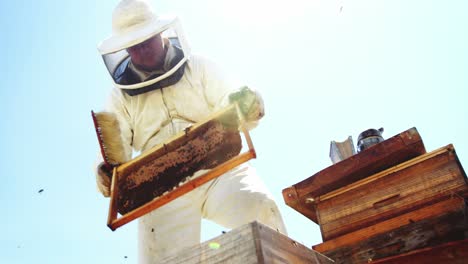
149, 118
235, 198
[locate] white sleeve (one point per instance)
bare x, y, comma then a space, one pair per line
217, 84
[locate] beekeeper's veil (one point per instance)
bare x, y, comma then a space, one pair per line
134, 22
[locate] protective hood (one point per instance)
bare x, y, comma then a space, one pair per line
127, 76
134, 23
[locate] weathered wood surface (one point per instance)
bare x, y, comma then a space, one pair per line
453, 204
403, 188
379, 157
249, 244
453, 252
430, 226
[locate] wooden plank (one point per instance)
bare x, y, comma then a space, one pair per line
277, 248
451, 205
411, 185
427, 227
253, 243
236, 245
393, 151
452, 252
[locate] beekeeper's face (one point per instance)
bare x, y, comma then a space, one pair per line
148, 55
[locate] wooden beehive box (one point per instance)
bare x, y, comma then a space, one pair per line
428, 227
249, 244
453, 252
389, 203
395, 150
406, 187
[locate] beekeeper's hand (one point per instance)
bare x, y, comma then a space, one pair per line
250, 103
103, 178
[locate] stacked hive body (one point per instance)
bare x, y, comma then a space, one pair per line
253, 243
389, 201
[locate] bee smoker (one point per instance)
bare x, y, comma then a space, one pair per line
368, 138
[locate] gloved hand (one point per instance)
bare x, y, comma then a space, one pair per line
103, 178
250, 103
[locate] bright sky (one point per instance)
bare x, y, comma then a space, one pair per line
327, 70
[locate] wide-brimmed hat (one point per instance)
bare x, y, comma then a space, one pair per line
133, 21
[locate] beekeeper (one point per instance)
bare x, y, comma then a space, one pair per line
160, 89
